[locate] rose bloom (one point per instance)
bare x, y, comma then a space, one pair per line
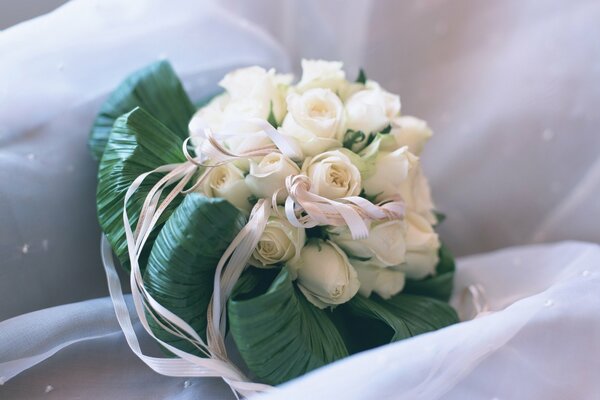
279, 243
268, 176
386, 282
324, 275
321, 74
422, 247
385, 246
407, 131
372, 109
315, 120
227, 181
333, 175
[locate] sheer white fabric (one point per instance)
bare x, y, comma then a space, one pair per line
510, 89
540, 340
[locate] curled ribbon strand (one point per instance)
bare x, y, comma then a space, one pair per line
354, 212
302, 208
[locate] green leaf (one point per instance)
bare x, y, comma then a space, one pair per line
372, 198
386, 130
138, 143
280, 335
317, 232
362, 77
271, 118
377, 322
254, 282
352, 138
183, 260
157, 89
440, 216
438, 286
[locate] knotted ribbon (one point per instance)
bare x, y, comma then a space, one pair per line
303, 208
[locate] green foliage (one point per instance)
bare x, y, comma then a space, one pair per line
353, 139
271, 118
157, 89
280, 335
138, 144
182, 263
374, 321
438, 286
362, 77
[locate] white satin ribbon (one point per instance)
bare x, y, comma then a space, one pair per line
354, 212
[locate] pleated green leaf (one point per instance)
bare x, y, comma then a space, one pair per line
157, 89
138, 143
376, 322
439, 285
182, 263
280, 335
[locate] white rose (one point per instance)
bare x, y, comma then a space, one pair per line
268, 175
422, 246
333, 175
407, 131
210, 116
227, 181
383, 247
372, 109
386, 282
250, 93
321, 74
415, 190
315, 120
238, 136
280, 242
241, 136
399, 172
324, 274
390, 170
253, 91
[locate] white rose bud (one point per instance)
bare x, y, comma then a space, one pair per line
227, 181
386, 282
324, 274
315, 120
333, 175
390, 170
399, 172
407, 131
210, 116
321, 74
383, 247
371, 110
280, 242
268, 176
422, 246
253, 91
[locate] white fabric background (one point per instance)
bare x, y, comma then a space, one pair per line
510, 88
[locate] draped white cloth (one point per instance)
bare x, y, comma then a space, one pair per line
510, 88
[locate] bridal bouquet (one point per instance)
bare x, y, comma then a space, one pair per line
294, 217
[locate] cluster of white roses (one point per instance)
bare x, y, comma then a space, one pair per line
354, 143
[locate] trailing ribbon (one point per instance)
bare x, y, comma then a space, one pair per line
302, 208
